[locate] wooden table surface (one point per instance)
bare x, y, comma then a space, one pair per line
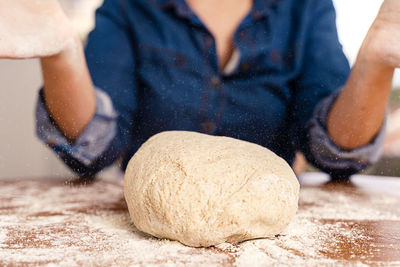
63, 222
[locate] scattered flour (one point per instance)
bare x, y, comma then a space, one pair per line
63, 224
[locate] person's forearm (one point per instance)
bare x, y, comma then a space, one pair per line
68, 90
358, 113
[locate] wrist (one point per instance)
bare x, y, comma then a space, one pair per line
379, 48
370, 76
73, 48
373, 62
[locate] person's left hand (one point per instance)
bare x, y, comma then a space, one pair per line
382, 44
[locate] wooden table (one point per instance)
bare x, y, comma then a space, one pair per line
74, 223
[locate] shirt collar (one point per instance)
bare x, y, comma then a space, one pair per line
260, 7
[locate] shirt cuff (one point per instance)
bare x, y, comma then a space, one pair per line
328, 154
93, 141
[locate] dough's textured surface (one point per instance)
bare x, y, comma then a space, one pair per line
205, 190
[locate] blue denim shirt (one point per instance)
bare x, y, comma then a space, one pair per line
156, 69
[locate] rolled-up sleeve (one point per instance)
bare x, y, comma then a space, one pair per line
325, 70
93, 141
330, 157
111, 61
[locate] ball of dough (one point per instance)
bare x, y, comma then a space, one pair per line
205, 190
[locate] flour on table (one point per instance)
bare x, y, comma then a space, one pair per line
56, 224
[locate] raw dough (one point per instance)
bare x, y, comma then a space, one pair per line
204, 190
33, 28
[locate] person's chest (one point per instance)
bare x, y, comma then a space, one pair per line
179, 75
221, 18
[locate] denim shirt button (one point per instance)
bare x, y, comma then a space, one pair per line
209, 40
241, 36
209, 127
215, 82
244, 66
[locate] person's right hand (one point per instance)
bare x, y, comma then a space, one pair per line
33, 28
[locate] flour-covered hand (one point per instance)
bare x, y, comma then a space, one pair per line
33, 28
382, 44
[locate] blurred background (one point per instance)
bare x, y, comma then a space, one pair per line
22, 155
